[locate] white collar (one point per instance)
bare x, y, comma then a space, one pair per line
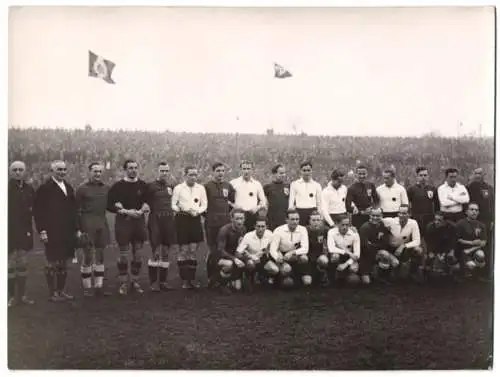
58, 182
127, 179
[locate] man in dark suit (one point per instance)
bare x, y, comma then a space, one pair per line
55, 218
20, 233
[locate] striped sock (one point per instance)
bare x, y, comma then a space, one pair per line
152, 271
98, 275
86, 272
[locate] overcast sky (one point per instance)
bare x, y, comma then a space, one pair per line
355, 72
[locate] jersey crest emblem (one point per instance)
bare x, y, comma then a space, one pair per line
169, 190
369, 191
225, 192
478, 232
286, 191
320, 238
380, 235
430, 194
485, 193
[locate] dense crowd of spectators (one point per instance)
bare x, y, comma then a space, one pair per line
37, 147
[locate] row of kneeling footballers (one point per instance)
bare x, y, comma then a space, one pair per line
384, 249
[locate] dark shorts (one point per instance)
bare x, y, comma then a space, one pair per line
56, 254
336, 217
423, 220
162, 230
250, 220
189, 229
130, 231
358, 220
97, 230
212, 232
367, 260
454, 217
305, 214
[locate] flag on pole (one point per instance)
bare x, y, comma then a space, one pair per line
101, 68
280, 72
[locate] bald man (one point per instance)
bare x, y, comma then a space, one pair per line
21, 197
55, 218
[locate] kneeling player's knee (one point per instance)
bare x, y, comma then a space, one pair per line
365, 279
287, 282
226, 265
322, 261
285, 269
271, 268
302, 259
354, 268
480, 258
470, 265
384, 264
352, 279
306, 280
335, 258
225, 274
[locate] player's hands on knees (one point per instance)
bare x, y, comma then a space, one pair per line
399, 250
279, 258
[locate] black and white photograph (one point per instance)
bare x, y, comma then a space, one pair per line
250, 188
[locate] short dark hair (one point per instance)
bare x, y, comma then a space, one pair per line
275, 168
188, 168
92, 164
390, 171
128, 161
472, 203
420, 168
341, 218
314, 213
306, 163
361, 166
234, 211
291, 211
450, 170
261, 218
162, 163
337, 173
217, 165
246, 162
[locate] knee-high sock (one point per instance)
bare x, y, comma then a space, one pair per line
86, 273
135, 269
122, 266
50, 278
153, 271
191, 265
61, 275
163, 266
98, 275
182, 266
